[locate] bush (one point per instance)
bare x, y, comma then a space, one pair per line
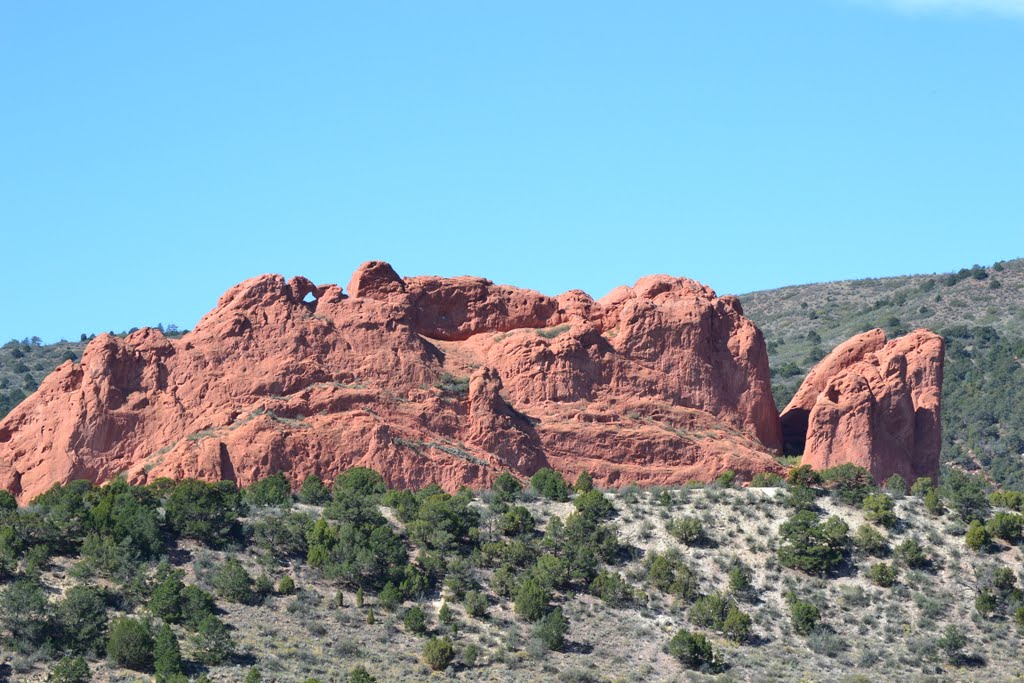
977, 538
737, 625
70, 670
911, 554
850, 483
286, 586
212, 642
531, 600
896, 485
506, 488
879, 508
810, 546
516, 521
921, 486
967, 495
82, 620
551, 629
233, 583
611, 588
803, 475
130, 644
270, 491
593, 505
166, 654
871, 541
415, 621
438, 653
688, 530
475, 604
767, 480
204, 512
313, 491
1007, 526
360, 481
693, 651
254, 676
882, 574
389, 597
933, 503
710, 611
25, 614
549, 484
584, 482
804, 616
359, 675
952, 643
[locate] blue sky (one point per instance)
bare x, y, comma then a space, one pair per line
153, 154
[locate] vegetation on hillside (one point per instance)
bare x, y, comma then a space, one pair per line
980, 312
823, 574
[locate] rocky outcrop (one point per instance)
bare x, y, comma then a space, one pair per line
425, 379
873, 404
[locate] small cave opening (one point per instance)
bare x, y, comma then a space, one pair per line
794, 431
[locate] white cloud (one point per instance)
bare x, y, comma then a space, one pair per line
1013, 8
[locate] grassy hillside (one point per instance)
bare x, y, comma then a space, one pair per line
979, 310
785, 583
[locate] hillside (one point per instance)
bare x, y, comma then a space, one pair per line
785, 583
979, 310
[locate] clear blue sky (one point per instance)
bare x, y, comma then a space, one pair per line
153, 154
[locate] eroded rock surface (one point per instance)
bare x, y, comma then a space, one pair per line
425, 379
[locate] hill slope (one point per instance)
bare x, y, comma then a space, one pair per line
979, 310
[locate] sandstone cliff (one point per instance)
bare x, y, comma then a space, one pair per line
424, 379
874, 404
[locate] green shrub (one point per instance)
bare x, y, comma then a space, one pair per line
254, 676
804, 616
506, 488
737, 625
233, 583
767, 480
896, 485
882, 574
879, 508
531, 600
415, 621
921, 486
70, 670
952, 642
593, 505
726, 479
710, 610
977, 538
361, 482
202, 511
551, 629
359, 675
803, 475
1007, 526
270, 491
584, 482
967, 495
314, 491
211, 642
911, 554
438, 653
82, 620
549, 484
166, 654
693, 651
688, 530
389, 597
611, 588
286, 586
933, 503
871, 541
130, 644
475, 604
516, 521
26, 614
850, 483
811, 546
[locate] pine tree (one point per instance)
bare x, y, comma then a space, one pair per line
166, 655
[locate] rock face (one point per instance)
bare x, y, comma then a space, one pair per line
424, 379
873, 404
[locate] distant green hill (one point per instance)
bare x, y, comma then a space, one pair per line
979, 310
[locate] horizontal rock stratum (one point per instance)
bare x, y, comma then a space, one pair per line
424, 379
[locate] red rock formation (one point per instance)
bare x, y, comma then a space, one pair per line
424, 379
874, 406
